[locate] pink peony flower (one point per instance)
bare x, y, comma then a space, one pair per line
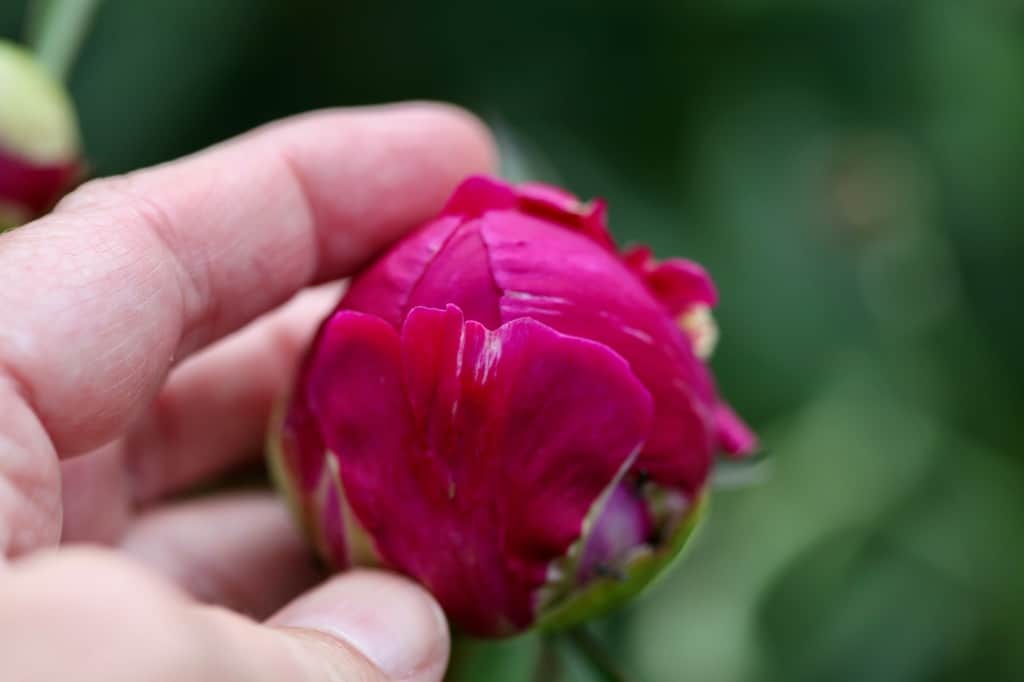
510, 411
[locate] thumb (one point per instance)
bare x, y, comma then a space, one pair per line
89, 615
388, 620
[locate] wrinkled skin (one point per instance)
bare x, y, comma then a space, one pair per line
506, 408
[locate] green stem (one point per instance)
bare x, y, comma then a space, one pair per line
56, 30
593, 652
549, 666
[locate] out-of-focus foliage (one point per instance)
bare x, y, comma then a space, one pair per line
850, 171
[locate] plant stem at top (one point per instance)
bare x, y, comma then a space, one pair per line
593, 651
56, 30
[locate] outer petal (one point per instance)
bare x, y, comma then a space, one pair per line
552, 203
677, 283
303, 471
443, 262
686, 291
460, 274
446, 260
479, 195
566, 281
385, 288
301, 445
308, 475
734, 435
473, 457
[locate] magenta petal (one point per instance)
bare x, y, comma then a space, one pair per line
554, 197
595, 224
460, 274
479, 194
562, 279
354, 386
677, 283
304, 462
637, 257
558, 206
385, 288
301, 446
33, 187
734, 436
473, 457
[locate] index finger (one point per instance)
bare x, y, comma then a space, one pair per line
128, 275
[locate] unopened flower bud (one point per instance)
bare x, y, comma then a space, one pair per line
39, 143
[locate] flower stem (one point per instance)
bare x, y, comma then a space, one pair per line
593, 652
549, 666
56, 30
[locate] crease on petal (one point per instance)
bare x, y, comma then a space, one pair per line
460, 273
385, 288
603, 299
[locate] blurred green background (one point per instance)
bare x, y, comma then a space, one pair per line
850, 172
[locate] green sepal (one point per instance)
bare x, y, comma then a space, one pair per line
605, 594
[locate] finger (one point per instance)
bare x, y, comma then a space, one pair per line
30, 504
242, 551
130, 626
213, 412
131, 274
95, 496
211, 415
99, 299
409, 642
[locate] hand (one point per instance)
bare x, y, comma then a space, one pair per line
123, 373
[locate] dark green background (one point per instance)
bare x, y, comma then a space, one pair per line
851, 173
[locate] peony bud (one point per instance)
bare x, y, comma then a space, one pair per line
39, 148
506, 409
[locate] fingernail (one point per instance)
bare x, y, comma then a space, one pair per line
392, 622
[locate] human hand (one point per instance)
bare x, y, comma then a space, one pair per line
124, 380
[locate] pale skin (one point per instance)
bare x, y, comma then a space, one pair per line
146, 327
